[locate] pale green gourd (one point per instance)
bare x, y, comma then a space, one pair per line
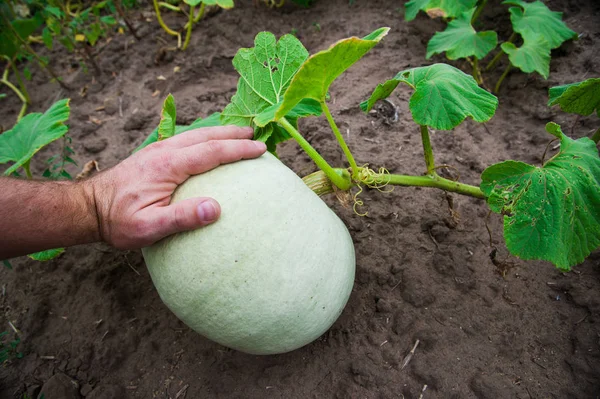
271, 275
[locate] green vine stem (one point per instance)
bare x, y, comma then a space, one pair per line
427, 151
478, 11
163, 25
200, 14
498, 56
340, 139
169, 6
27, 169
436, 182
340, 181
596, 136
16, 91
189, 25
497, 88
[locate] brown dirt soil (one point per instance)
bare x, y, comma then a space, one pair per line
94, 315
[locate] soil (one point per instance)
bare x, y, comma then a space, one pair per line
485, 329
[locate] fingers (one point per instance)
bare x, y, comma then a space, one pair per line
202, 135
203, 157
182, 216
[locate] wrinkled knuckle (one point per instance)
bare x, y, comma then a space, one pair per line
180, 221
214, 147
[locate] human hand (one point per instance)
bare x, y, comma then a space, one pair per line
132, 199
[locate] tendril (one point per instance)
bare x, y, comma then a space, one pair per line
377, 180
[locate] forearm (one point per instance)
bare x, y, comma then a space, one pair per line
40, 215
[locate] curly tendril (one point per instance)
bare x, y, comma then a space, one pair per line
377, 180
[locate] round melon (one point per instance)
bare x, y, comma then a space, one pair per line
271, 275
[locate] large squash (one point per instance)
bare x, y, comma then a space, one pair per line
271, 275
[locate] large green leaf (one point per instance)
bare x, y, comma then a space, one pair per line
535, 18
168, 116
266, 71
460, 40
532, 56
47, 255
578, 98
550, 212
9, 43
32, 133
221, 3
318, 73
212, 120
437, 8
444, 96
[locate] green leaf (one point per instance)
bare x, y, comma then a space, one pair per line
303, 3
166, 127
108, 20
32, 133
221, 3
316, 75
532, 56
2, 95
460, 40
212, 120
7, 264
266, 71
54, 11
49, 254
550, 212
9, 44
444, 96
47, 37
437, 8
27, 73
578, 98
535, 18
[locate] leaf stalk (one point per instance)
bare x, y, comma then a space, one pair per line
504, 74
340, 139
164, 25
427, 151
341, 182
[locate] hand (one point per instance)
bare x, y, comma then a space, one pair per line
132, 199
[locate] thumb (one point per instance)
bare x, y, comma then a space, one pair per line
186, 215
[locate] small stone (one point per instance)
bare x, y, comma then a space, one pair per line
111, 105
60, 386
96, 146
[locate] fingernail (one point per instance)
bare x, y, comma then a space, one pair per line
260, 145
207, 212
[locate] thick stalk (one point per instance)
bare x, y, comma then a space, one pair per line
339, 181
498, 56
340, 139
497, 88
188, 33
596, 136
125, 19
27, 169
478, 11
436, 182
320, 184
427, 151
164, 26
